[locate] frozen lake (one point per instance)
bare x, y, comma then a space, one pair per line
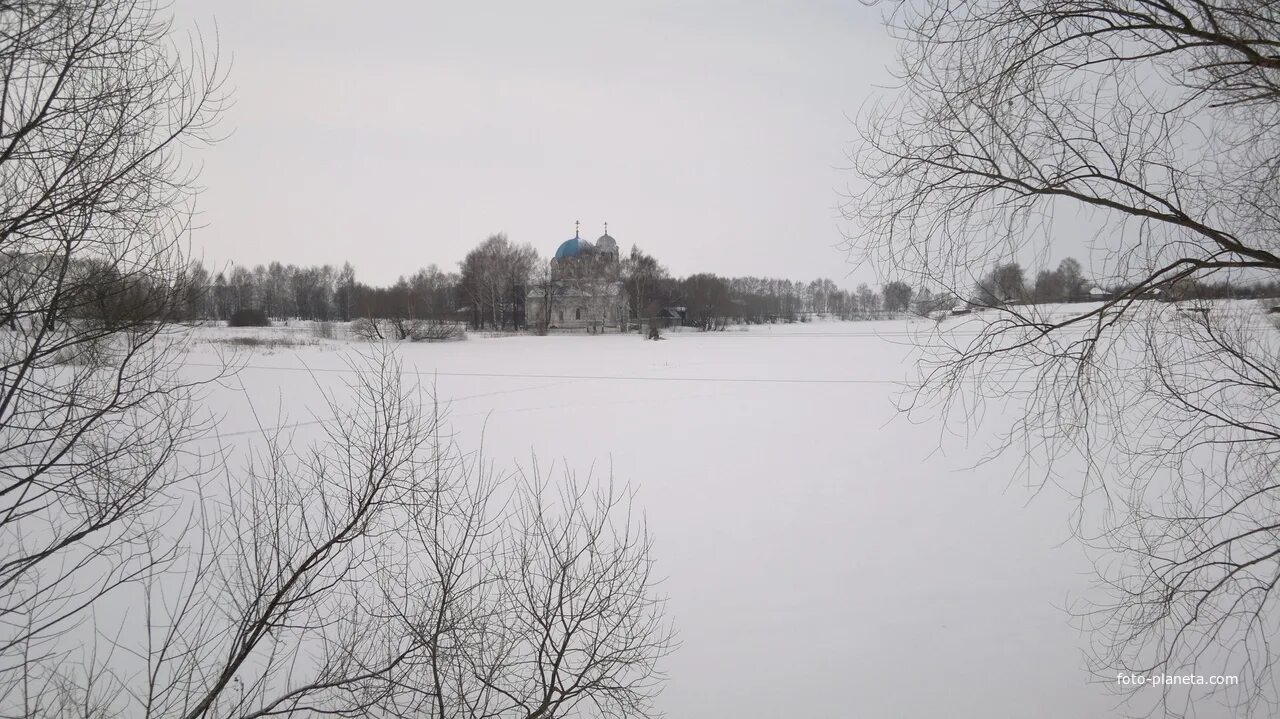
824, 557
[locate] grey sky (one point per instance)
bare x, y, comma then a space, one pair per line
397, 134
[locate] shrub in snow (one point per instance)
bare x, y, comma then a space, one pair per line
436, 331
366, 329
249, 317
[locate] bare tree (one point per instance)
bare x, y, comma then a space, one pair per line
642, 278
582, 623
1004, 284
425, 583
1159, 119
272, 613
494, 278
897, 296
94, 197
376, 571
868, 299
545, 293
708, 299
527, 597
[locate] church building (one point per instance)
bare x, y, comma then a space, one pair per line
584, 290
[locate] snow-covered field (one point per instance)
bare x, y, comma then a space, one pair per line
824, 556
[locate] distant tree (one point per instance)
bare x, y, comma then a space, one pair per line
542, 285
868, 299
244, 290
430, 293
494, 279
897, 296
200, 301
1075, 287
707, 299
1049, 287
308, 293
822, 293
838, 304
343, 289
278, 292
223, 297
641, 278
1003, 284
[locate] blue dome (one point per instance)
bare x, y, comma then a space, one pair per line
572, 248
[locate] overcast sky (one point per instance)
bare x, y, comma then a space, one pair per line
398, 134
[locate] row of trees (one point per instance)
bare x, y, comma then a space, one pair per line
489, 291
494, 278
320, 292
1008, 282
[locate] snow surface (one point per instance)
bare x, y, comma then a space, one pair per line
824, 556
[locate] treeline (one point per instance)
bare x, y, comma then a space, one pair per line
489, 288
322, 292
1008, 282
